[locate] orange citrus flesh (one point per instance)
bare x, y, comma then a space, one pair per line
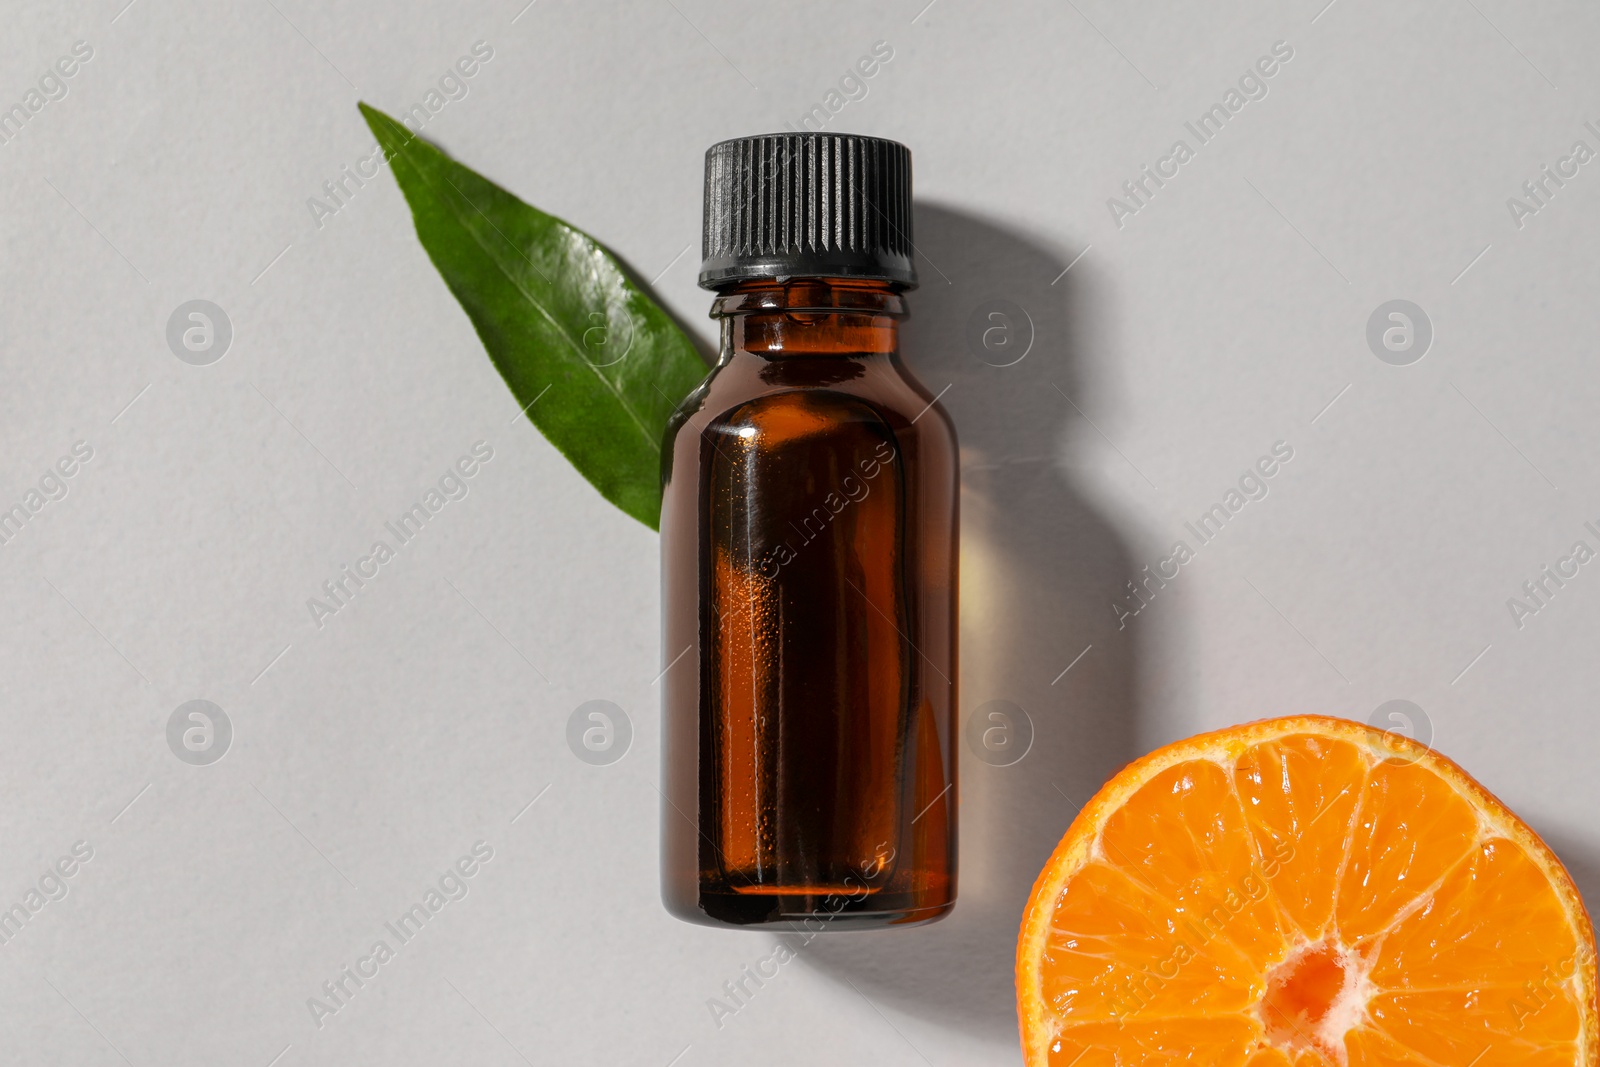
1304, 892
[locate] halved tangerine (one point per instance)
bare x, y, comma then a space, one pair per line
1304, 892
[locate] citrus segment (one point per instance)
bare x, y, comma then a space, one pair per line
1111, 954
1494, 922
1304, 892
1413, 826
1155, 1043
1183, 835
1450, 1026
1300, 793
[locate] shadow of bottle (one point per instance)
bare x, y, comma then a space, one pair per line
997, 321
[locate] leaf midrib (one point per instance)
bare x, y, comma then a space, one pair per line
650, 440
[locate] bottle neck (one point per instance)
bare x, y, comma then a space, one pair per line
810, 317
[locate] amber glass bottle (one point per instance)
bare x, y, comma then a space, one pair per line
808, 536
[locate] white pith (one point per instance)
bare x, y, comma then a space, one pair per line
1349, 1007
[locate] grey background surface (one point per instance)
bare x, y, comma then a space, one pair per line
368, 755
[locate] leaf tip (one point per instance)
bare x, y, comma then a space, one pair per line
383, 126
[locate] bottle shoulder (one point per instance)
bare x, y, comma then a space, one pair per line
875, 387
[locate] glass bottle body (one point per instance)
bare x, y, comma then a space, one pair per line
809, 596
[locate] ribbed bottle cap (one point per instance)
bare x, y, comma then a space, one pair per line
786, 205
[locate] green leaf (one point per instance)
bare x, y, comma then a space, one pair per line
598, 365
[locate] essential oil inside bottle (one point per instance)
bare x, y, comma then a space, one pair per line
809, 560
